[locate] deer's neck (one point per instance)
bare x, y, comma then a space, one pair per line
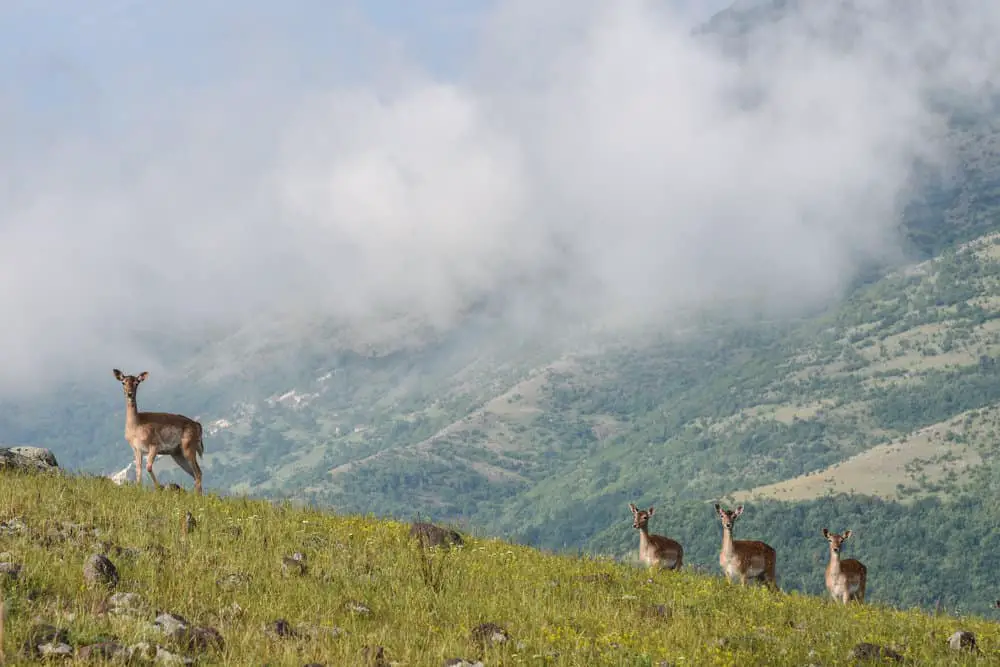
643, 538
131, 415
834, 566
727, 541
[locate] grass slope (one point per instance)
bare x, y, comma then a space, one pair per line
422, 606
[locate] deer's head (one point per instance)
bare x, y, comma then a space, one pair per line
640, 518
130, 383
728, 517
836, 541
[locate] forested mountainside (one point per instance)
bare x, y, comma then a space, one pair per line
876, 414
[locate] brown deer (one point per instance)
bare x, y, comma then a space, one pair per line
745, 559
845, 579
158, 433
655, 550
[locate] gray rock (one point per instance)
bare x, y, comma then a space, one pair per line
40, 454
374, 656
962, 640
165, 657
28, 459
873, 652
100, 570
101, 650
127, 604
461, 662
200, 639
171, 624
357, 607
489, 633
433, 536
55, 650
13, 526
233, 580
10, 570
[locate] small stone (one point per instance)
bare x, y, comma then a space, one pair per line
170, 624
869, 651
43, 634
54, 650
10, 570
962, 640
294, 564
165, 657
433, 536
374, 656
130, 604
101, 650
201, 639
461, 662
281, 628
142, 651
100, 570
357, 607
13, 526
489, 633
233, 580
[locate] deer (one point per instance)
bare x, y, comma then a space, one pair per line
845, 579
156, 433
655, 550
745, 559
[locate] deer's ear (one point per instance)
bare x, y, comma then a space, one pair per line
847, 534
718, 508
635, 510
142, 376
826, 533
118, 374
650, 511
739, 511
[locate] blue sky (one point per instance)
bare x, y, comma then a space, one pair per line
52, 51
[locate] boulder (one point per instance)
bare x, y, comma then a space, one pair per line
28, 459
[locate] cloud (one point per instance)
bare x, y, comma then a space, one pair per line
592, 155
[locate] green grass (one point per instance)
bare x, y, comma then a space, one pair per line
423, 604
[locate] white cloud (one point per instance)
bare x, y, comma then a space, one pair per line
597, 141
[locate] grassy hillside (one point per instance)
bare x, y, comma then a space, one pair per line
880, 410
366, 585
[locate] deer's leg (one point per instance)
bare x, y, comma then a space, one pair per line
197, 472
150, 458
189, 452
138, 466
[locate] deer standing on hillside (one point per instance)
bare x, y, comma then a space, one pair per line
745, 559
655, 550
845, 579
158, 433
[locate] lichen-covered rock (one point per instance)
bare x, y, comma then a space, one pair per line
99, 570
962, 640
102, 651
488, 634
28, 459
434, 536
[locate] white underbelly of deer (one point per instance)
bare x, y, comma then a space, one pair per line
668, 561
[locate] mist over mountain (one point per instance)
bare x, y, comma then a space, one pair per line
594, 162
467, 260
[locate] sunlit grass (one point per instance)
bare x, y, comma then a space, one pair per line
558, 610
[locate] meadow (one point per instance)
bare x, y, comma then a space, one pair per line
226, 567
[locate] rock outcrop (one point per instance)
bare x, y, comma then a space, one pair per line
28, 459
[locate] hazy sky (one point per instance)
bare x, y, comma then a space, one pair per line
171, 163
